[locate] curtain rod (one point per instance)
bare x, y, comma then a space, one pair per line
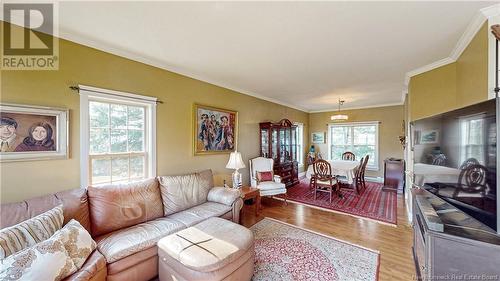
353, 123
77, 89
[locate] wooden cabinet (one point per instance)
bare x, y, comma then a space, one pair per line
279, 141
394, 179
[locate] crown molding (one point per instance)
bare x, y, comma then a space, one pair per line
425, 68
472, 29
357, 107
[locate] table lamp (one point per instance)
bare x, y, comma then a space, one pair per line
235, 162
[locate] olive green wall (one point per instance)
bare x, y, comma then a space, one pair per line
454, 85
433, 92
472, 70
390, 128
83, 65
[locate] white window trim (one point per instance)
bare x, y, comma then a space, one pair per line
299, 153
88, 93
377, 147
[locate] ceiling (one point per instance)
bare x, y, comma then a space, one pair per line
303, 54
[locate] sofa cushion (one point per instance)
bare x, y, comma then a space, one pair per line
201, 212
182, 192
113, 207
132, 260
30, 232
125, 242
93, 268
74, 201
270, 185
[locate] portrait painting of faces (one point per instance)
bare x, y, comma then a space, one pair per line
215, 130
32, 133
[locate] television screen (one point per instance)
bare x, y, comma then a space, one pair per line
455, 158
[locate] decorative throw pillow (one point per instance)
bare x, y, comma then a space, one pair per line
77, 242
30, 232
47, 260
264, 176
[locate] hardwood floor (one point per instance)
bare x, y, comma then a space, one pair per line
393, 243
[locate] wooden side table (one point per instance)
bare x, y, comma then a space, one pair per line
252, 193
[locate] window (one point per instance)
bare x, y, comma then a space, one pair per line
117, 136
472, 138
300, 143
359, 138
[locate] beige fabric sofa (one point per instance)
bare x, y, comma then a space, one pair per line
128, 220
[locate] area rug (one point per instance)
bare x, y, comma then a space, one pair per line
287, 252
373, 203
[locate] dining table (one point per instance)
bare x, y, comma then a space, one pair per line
343, 168
427, 173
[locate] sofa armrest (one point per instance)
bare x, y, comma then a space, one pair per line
224, 195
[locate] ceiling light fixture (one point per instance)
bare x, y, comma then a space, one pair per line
339, 117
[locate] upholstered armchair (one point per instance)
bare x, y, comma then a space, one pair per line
269, 187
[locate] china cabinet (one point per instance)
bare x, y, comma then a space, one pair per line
279, 141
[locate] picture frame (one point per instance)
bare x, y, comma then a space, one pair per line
215, 130
30, 132
429, 137
318, 137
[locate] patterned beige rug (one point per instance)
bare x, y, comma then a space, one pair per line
287, 252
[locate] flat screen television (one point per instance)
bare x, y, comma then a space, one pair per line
455, 158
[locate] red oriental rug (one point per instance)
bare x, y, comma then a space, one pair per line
290, 253
372, 203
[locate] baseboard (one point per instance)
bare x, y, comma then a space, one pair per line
375, 179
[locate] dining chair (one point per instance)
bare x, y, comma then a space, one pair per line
348, 156
358, 175
324, 180
473, 179
311, 181
469, 162
363, 170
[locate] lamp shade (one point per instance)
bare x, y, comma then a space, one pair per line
339, 117
235, 161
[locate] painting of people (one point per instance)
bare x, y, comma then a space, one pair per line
215, 130
31, 131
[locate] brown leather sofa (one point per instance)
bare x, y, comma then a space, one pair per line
127, 220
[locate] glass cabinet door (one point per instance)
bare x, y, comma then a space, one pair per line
264, 141
274, 144
282, 144
293, 144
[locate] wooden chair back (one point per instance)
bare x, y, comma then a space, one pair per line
367, 157
439, 160
359, 170
469, 162
348, 156
473, 179
322, 170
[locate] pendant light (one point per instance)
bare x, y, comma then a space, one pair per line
339, 117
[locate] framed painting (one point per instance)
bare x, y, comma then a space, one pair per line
32, 132
429, 137
318, 137
214, 130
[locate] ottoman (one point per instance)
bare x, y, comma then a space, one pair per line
215, 249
